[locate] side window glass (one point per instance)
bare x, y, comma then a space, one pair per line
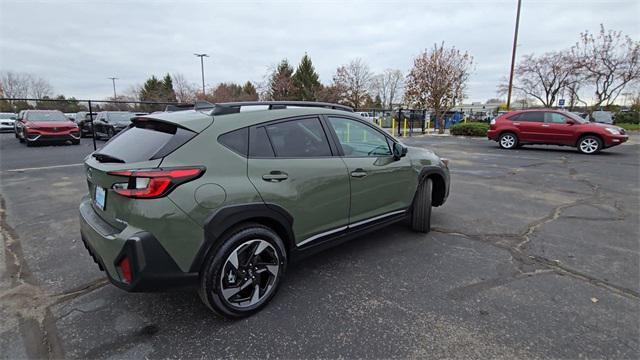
298, 138
259, 145
237, 140
359, 140
532, 116
555, 118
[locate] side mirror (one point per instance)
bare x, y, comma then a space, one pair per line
571, 122
399, 151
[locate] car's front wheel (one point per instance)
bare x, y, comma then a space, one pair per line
421, 211
508, 141
589, 144
243, 275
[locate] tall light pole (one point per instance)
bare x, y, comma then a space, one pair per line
513, 54
113, 80
202, 56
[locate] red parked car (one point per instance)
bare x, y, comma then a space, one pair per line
554, 127
35, 126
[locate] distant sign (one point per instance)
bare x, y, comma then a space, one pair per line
561, 102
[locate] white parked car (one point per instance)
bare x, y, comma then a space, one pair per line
605, 117
7, 121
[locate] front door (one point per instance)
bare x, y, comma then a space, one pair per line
380, 185
557, 130
292, 165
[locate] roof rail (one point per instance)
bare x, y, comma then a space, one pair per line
234, 107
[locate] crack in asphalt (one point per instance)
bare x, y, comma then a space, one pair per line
520, 254
30, 303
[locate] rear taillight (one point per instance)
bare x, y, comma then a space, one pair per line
125, 270
153, 183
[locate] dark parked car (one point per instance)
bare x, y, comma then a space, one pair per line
223, 200
36, 126
554, 127
109, 123
83, 119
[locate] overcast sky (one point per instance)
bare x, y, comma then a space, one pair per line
77, 45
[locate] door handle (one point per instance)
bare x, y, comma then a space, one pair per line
516, 123
545, 125
275, 176
358, 173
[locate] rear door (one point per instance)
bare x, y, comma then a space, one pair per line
380, 185
529, 125
557, 130
292, 165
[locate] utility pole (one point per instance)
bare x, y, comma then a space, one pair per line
202, 56
513, 54
113, 80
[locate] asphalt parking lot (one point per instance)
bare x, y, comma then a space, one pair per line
536, 254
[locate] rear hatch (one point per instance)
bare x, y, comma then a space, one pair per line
141, 146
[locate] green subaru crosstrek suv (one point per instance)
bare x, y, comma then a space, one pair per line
224, 196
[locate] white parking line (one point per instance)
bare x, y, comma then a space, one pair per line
44, 167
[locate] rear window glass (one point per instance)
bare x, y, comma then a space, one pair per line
46, 116
259, 145
298, 138
144, 141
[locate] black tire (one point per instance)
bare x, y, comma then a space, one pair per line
30, 143
589, 144
109, 133
20, 139
211, 281
508, 140
421, 211
75, 142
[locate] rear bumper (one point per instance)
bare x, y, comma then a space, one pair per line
151, 266
492, 135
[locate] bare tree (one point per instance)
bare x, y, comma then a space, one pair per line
543, 77
15, 85
388, 86
438, 79
609, 61
354, 79
185, 91
39, 88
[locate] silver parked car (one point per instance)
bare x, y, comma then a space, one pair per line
7, 121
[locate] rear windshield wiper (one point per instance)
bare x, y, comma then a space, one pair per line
104, 158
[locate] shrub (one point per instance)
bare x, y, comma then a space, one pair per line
628, 117
470, 129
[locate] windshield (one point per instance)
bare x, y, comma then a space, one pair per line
576, 118
120, 117
46, 116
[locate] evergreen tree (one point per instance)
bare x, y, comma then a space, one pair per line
306, 81
281, 85
249, 92
167, 84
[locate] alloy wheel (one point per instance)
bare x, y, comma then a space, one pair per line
507, 141
249, 273
589, 145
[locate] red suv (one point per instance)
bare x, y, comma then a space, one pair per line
555, 127
46, 125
